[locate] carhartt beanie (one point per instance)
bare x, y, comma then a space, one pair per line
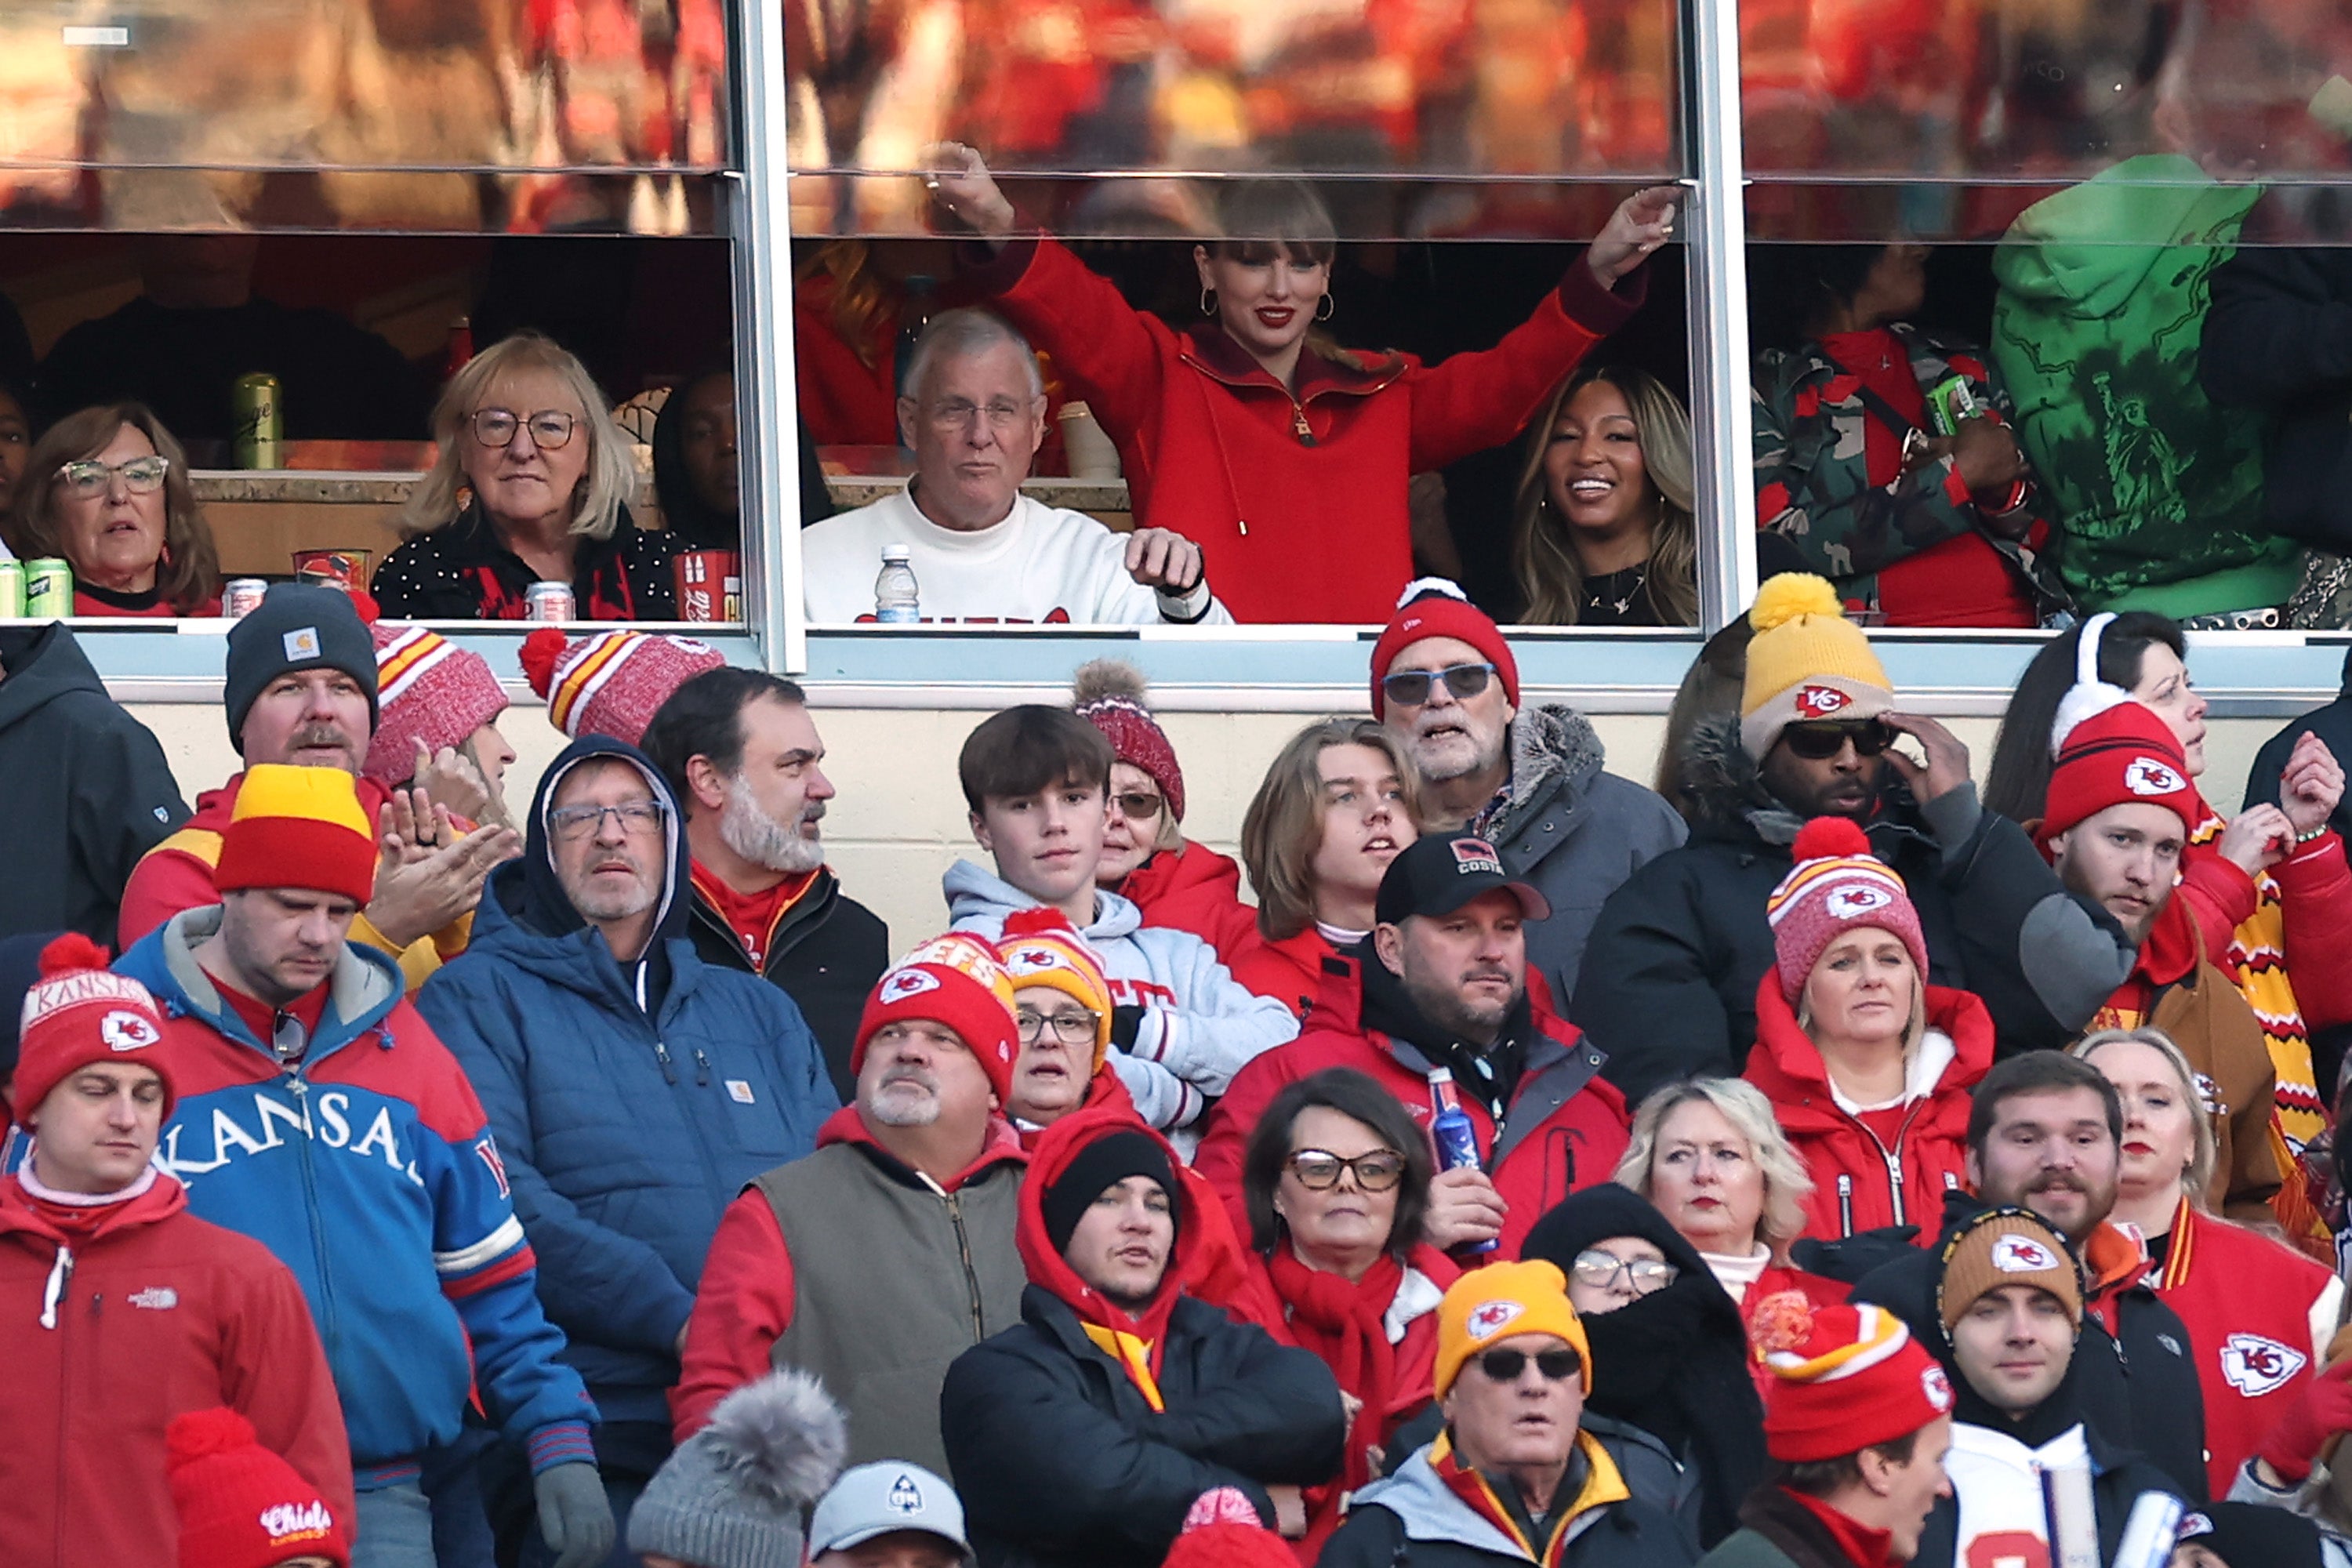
731, 1495
1092, 1170
298, 626
1434, 608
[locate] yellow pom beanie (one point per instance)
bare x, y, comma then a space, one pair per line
1806, 662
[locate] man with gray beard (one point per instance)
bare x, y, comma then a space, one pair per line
743, 757
634, 1089
881, 1257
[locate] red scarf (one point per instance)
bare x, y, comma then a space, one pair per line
1864, 1547
1345, 1325
2167, 957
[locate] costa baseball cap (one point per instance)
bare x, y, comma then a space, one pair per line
1441, 873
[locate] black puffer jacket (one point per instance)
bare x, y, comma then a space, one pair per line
1670, 974
826, 955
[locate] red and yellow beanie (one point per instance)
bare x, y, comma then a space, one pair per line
1434, 608
1109, 694
1806, 662
1040, 947
1501, 1301
79, 1012
955, 980
298, 828
429, 689
1844, 1378
612, 683
2123, 756
1836, 884
240, 1505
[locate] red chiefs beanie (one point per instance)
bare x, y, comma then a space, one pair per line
79, 1012
611, 683
429, 689
1844, 1378
1835, 886
1108, 695
2123, 754
955, 980
240, 1505
1433, 607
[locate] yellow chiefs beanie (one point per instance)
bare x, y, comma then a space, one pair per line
1806, 662
1502, 1301
298, 828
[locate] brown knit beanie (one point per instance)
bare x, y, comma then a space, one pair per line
2007, 1246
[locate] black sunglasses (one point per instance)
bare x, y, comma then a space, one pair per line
1410, 687
1818, 742
1557, 1367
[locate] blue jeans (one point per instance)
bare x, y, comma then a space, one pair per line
395, 1529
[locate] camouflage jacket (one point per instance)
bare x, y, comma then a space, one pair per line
1812, 483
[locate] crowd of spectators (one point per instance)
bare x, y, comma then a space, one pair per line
1827, 1173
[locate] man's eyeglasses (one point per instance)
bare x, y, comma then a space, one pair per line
572, 823
1600, 1269
1819, 742
550, 428
1137, 805
1410, 687
1557, 1367
1077, 1028
1317, 1170
89, 478
954, 414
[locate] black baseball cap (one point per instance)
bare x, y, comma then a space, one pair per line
1441, 873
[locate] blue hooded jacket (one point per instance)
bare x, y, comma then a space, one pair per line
632, 1101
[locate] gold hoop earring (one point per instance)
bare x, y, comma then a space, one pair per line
1328, 309
1208, 301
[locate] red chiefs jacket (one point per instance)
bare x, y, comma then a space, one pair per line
1296, 499
1564, 1129
1859, 1182
156, 1313
1289, 971
2260, 1315
1197, 889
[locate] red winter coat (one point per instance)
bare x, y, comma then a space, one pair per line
2260, 1315
1197, 889
1297, 500
1858, 1182
160, 1313
1289, 971
1565, 1128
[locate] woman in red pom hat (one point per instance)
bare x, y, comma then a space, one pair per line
1867, 1066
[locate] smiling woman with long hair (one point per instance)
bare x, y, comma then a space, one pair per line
1602, 533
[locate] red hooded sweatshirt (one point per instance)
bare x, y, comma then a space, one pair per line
1876, 1168
112, 1321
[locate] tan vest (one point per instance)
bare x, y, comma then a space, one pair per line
891, 1282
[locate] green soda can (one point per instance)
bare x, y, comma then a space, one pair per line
12, 590
48, 588
253, 404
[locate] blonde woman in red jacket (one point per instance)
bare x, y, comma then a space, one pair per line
2259, 1314
1285, 456
1868, 1067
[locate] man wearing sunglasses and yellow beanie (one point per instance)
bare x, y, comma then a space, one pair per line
1511, 1478
1668, 987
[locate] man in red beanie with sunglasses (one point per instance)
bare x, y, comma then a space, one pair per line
1526, 780
1859, 1418
118, 1308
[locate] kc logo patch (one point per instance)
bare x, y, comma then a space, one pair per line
1937, 1387
1029, 961
2254, 1365
1845, 903
124, 1031
1473, 855
900, 985
1488, 1319
2015, 1254
1821, 701
2149, 777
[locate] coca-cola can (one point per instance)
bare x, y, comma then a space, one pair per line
709, 585
240, 596
551, 602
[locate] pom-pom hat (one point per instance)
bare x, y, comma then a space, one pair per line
240, 1505
1845, 1378
1108, 695
1806, 663
731, 1495
79, 1012
1836, 886
1040, 948
298, 828
611, 683
955, 980
429, 689
1434, 608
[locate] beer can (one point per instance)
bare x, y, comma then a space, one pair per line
48, 588
709, 585
240, 596
259, 422
551, 602
12, 590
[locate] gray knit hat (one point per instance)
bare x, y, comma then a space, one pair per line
733, 1494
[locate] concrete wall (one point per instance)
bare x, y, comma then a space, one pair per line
900, 821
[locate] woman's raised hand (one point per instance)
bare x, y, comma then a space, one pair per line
959, 181
1643, 222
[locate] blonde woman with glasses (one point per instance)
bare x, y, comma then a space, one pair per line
532, 486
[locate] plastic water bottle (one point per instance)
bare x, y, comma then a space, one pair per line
898, 598
1457, 1140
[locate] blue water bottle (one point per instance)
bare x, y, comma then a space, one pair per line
1457, 1140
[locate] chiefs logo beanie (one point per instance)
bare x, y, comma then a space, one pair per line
1843, 1379
78, 1012
1040, 948
2006, 1247
1806, 663
1502, 1301
1836, 886
241, 1505
956, 981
